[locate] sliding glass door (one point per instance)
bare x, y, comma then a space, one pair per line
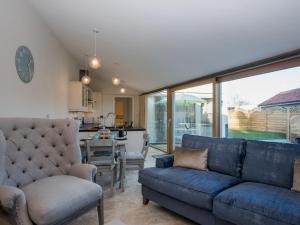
157, 119
192, 112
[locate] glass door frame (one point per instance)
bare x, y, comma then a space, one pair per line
171, 108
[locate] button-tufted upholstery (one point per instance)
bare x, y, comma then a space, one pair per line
38, 149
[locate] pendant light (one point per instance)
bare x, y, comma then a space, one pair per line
122, 90
116, 81
95, 63
86, 79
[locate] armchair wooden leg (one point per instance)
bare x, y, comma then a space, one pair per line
145, 201
100, 209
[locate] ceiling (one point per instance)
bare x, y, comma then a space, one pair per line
155, 43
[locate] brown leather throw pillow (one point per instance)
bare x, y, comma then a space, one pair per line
191, 158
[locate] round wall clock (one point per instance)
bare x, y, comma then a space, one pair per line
24, 64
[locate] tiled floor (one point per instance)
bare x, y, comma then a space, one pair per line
127, 206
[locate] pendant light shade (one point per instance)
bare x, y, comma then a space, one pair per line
95, 62
116, 81
122, 90
86, 79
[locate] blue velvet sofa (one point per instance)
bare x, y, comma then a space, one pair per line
248, 183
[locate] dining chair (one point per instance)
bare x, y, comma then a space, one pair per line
101, 153
138, 158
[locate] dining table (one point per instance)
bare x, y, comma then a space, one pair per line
121, 149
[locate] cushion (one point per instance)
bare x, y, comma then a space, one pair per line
258, 204
134, 155
270, 163
191, 158
195, 187
53, 199
296, 179
224, 155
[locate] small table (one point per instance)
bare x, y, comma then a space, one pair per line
121, 146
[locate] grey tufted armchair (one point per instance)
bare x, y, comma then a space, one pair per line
42, 180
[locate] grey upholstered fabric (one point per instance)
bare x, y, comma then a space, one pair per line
195, 187
12, 199
258, 204
134, 155
270, 163
52, 199
37, 149
224, 155
84, 171
2, 157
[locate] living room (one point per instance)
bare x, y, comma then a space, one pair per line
150, 112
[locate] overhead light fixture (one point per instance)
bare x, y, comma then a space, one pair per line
86, 79
116, 81
95, 63
122, 90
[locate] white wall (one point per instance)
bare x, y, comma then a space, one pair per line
108, 94
54, 67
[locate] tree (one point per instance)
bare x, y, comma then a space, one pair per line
237, 101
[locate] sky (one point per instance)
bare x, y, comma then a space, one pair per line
253, 90
259, 88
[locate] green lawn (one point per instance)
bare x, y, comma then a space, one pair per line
255, 135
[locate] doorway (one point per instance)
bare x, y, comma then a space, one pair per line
124, 111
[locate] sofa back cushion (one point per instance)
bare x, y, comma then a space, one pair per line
38, 148
224, 155
270, 163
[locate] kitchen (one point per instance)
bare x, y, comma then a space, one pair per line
101, 104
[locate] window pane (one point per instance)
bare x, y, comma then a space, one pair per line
263, 107
193, 112
157, 119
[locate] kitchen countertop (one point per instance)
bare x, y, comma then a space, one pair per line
94, 127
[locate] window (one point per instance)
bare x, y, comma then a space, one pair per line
262, 107
157, 119
192, 112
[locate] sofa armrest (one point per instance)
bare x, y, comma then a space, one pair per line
13, 202
164, 161
84, 171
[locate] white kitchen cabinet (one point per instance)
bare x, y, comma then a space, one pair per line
80, 97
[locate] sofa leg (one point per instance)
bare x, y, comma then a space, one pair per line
145, 201
100, 209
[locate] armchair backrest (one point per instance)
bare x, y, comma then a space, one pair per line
38, 148
2, 157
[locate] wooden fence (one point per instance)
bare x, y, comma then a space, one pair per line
272, 119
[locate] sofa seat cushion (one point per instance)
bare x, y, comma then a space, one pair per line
195, 187
258, 204
53, 199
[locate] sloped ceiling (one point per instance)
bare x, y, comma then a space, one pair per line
154, 43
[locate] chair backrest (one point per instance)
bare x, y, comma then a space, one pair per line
145, 148
2, 157
101, 151
38, 148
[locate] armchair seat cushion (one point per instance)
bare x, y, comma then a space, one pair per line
195, 187
53, 199
258, 204
134, 156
